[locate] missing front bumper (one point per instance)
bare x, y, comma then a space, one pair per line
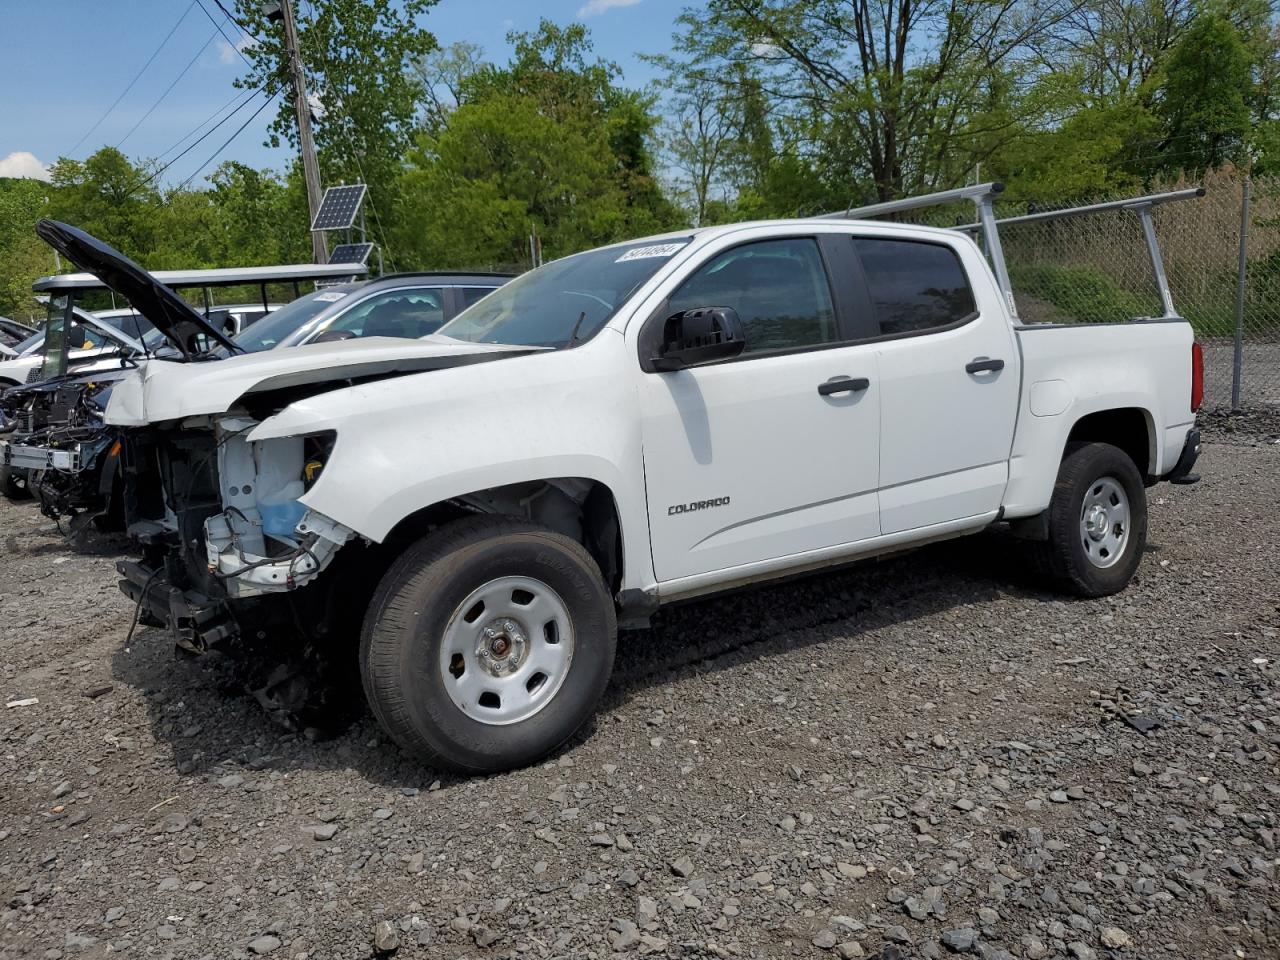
197, 622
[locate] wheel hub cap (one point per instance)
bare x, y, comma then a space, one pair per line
1104, 522
507, 649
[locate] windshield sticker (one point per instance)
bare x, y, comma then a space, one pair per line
330, 297
644, 253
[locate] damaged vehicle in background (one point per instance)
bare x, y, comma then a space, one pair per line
462, 521
13, 333
53, 442
72, 454
88, 338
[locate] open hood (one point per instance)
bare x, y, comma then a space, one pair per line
182, 326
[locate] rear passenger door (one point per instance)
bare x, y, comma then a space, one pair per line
949, 383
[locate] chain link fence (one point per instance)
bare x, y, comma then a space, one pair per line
1095, 269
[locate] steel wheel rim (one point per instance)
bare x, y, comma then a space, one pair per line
1105, 521
507, 650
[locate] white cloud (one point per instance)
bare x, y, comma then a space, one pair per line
227, 53
23, 165
595, 7
763, 49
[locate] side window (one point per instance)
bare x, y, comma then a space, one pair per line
778, 287
472, 295
397, 313
84, 338
914, 286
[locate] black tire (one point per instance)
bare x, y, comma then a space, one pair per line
1063, 559
13, 484
404, 635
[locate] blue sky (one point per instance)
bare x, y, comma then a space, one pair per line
62, 64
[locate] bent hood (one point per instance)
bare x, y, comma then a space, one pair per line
162, 390
167, 311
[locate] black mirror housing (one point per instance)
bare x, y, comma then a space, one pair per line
700, 335
333, 336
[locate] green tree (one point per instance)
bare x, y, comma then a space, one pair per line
1203, 96
547, 143
108, 196
882, 99
259, 217
23, 257
357, 55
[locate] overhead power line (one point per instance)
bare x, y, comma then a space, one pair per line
136, 76
230, 16
231, 43
201, 125
168, 89
195, 143
239, 130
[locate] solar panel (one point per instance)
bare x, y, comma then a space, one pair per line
339, 207
351, 253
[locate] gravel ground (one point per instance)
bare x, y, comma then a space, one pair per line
920, 756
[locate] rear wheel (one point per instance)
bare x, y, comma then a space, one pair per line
488, 644
1097, 522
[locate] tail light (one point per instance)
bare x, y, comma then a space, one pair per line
1197, 376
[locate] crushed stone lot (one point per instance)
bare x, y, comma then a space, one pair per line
919, 757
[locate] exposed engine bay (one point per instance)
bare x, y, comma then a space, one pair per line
233, 562
55, 439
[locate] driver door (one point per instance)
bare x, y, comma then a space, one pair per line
748, 461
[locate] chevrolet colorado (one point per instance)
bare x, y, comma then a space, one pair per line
468, 517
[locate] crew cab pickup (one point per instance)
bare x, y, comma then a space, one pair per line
469, 516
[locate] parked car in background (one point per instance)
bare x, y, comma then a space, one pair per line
12, 333
405, 305
89, 338
53, 443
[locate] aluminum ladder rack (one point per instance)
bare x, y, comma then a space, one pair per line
983, 197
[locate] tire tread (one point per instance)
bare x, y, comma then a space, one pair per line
392, 611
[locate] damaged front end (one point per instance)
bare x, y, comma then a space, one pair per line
220, 521
227, 548
52, 436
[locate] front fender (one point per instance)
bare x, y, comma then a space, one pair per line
406, 444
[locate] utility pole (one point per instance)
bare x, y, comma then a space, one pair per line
310, 165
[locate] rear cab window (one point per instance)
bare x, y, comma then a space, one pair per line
914, 286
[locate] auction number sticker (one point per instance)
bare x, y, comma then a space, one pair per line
330, 297
655, 250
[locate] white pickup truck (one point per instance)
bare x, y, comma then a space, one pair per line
473, 513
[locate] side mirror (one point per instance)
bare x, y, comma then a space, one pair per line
700, 335
333, 336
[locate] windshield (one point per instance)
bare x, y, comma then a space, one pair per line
270, 330
565, 302
133, 325
26, 345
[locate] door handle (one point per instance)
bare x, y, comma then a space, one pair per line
843, 385
983, 364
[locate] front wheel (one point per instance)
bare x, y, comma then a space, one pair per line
1097, 522
488, 644
14, 484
